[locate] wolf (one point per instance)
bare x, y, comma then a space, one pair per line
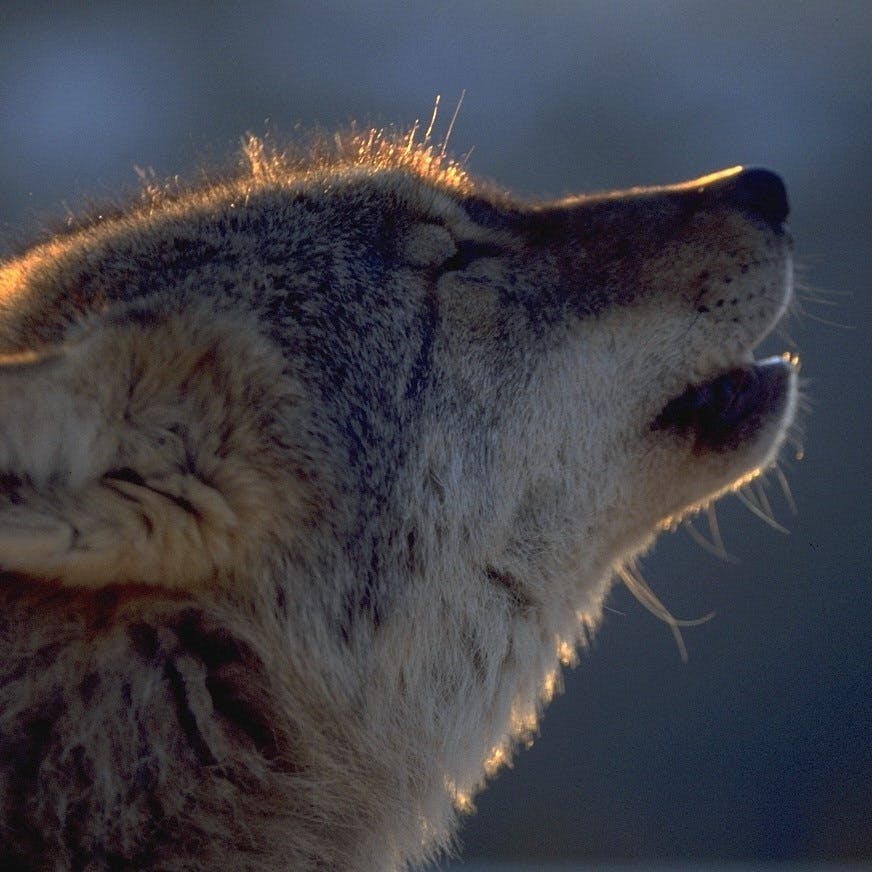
312, 476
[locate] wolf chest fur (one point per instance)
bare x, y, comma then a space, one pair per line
310, 479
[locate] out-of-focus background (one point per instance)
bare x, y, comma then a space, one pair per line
760, 747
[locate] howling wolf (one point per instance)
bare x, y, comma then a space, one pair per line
311, 478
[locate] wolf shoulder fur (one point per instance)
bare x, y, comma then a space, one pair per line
311, 479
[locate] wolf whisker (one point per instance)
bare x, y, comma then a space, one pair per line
714, 546
785, 488
750, 500
641, 590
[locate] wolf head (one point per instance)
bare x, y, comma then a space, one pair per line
553, 378
412, 420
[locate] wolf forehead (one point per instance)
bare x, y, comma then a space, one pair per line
384, 164
336, 223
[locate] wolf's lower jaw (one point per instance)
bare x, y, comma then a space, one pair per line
727, 411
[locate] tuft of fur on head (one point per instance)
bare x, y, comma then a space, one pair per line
262, 162
373, 150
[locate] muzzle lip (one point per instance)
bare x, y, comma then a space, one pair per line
729, 410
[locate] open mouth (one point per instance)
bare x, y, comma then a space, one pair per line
731, 409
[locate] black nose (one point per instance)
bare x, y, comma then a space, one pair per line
761, 194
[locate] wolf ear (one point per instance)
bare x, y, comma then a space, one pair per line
148, 451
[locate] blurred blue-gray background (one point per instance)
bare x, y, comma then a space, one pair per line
759, 748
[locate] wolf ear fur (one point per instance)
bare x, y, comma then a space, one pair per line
139, 453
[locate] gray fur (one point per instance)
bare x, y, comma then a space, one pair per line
312, 478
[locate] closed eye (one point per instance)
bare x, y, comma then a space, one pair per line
469, 251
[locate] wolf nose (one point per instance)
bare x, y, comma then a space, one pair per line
761, 194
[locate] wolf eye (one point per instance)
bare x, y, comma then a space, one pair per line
469, 251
